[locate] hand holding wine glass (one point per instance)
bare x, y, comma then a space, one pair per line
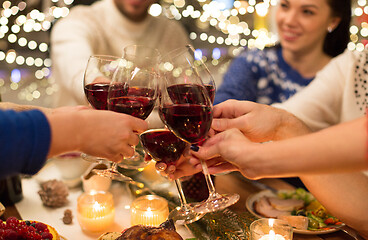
133, 91
186, 109
96, 81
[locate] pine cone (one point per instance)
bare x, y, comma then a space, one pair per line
54, 193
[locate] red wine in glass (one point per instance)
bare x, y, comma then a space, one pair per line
137, 106
96, 94
189, 121
163, 146
211, 91
189, 93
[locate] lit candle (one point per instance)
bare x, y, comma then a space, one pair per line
95, 211
270, 229
149, 210
272, 236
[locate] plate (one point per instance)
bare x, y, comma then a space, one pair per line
254, 197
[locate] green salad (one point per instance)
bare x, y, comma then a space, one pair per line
318, 216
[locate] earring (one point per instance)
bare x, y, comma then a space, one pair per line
329, 29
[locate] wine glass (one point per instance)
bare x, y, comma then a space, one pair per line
96, 81
163, 146
133, 90
186, 109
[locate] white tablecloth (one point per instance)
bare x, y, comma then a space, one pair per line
31, 208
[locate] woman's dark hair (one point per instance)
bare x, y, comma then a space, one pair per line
337, 40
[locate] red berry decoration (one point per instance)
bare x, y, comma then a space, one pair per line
24, 230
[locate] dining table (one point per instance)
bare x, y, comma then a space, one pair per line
31, 207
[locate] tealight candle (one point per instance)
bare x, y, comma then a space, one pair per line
149, 210
270, 229
95, 211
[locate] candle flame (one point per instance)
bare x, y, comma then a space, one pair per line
272, 235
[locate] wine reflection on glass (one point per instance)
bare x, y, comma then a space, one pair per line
133, 91
163, 146
186, 109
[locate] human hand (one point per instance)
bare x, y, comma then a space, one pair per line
180, 169
109, 134
258, 122
98, 133
227, 151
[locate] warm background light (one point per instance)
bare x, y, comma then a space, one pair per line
227, 25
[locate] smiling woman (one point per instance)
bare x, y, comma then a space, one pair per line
311, 33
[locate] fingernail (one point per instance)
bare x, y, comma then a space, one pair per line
195, 148
171, 169
161, 166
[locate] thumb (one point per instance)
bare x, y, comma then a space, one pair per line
220, 125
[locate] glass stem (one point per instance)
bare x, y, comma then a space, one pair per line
114, 167
183, 200
207, 176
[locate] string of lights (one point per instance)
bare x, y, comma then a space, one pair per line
224, 27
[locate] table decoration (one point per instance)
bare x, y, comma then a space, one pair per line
270, 229
224, 224
54, 193
149, 210
95, 211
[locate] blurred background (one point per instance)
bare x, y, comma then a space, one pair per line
219, 29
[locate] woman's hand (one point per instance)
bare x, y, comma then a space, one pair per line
258, 122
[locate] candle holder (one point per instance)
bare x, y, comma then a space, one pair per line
95, 211
270, 229
149, 210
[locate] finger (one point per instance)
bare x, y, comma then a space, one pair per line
221, 168
127, 151
139, 125
133, 139
171, 169
214, 161
220, 124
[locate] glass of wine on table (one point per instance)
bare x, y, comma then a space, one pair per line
186, 109
133, 90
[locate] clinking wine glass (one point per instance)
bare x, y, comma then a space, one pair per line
133, 90
163, 146
186, 109
96, 81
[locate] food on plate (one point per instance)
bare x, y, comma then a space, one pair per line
286, 204
165, 231
299, 208
264, 208
13, 228
298, 222
110, 236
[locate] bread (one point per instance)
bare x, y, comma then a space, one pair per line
139, 232
109, 236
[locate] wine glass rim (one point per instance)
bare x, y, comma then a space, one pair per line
104, 57
177, 51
